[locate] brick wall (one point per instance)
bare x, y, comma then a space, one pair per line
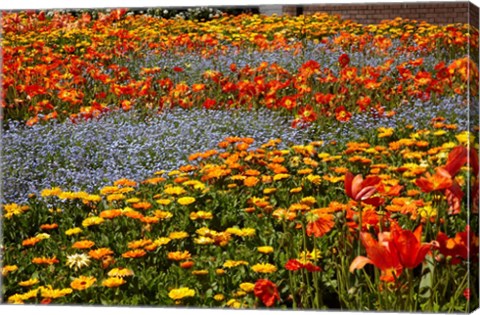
435, 13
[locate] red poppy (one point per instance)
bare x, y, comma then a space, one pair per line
307, 114
311, 267
323, 99
293, 265
344, 60
342, 114
209, 103
454, 248
288, 102
362, 190
363, 102
266, 291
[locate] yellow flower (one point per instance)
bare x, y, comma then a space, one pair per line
427, 212
268, 191
185, 201
132, 200
296, 190
43, 236
163, 215
202, 240
113, 282
92, 221
29, 282
278, 177
108, 190
73, 231
161, 241
219, 297
307, 256
13, 209
314, 179
174, 190
163, 202
178, 255
178, 235
49, 293
309, 201
465, 137
246, 232
247, 286
265, 249
82, 283
120, 272
8, 268
181, 293
93, 198
264, 268
385, 132
234, 303
195, 184
234, 263
440, 132
201, 272
204, 215
54, 191
115, 197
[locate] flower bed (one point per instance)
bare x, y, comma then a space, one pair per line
244, 161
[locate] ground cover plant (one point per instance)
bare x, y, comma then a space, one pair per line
239, 161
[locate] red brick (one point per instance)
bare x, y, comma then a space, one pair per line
442, 10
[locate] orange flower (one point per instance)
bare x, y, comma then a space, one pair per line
83, 244
381, 255
49, 226
45, 260
100, 253
251, 181
411, 252
266, 291
136, 253
393, 251
31, 241
82, 283
320, 223
177, 256
187, 264
110, 214
342, 114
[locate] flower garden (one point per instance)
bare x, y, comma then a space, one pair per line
239, 161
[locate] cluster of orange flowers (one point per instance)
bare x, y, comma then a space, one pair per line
44, 80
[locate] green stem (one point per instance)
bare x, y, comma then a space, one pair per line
411, 291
